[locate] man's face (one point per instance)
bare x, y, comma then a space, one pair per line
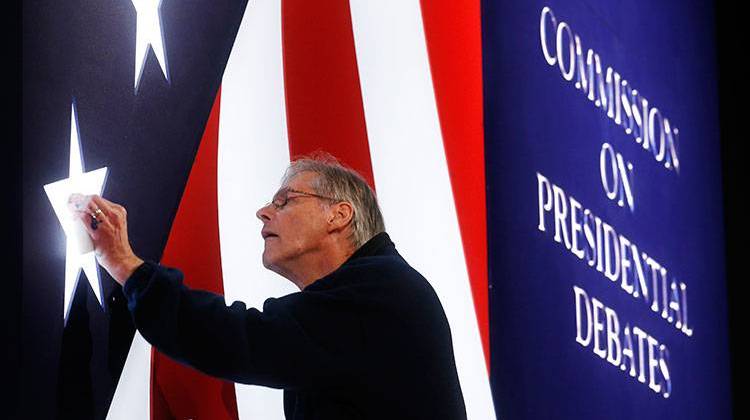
295, 231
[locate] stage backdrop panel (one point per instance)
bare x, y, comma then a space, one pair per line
605, 234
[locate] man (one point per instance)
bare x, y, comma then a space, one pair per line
365, 338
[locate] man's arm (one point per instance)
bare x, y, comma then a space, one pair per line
268, 348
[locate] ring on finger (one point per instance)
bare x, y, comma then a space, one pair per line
94, 220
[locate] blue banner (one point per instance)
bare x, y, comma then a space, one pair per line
606, 244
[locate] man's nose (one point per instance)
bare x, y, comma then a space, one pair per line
263, 213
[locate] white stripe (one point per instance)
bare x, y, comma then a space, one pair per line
132, 397
411, 173
253, 153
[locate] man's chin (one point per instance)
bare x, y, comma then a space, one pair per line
269, 263
278, 270
265, 259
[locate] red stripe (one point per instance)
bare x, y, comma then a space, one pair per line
178, 391
454, 44
321, 83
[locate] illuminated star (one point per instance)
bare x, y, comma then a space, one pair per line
79, 251
148, 33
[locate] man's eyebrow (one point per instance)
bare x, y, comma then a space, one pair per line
281, 190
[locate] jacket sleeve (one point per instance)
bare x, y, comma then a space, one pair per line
197, 328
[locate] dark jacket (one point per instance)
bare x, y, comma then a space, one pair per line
368, 341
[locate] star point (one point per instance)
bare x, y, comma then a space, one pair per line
148, 34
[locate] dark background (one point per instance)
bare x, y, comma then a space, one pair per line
731, 38
81, 51
11, 212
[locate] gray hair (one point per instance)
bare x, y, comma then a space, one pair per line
342, 184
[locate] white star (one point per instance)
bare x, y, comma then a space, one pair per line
79, 249
148, 32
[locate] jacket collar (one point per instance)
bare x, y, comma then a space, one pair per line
375, 246
371, 247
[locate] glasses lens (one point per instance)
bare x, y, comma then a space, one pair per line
280, 198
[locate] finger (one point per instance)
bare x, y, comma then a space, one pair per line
92, 216
106, 202
116, 213
87, 220
98, 229
114, 207
94, 209
106, 206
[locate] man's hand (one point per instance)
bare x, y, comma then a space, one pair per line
106, 223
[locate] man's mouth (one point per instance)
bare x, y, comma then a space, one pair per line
267, 234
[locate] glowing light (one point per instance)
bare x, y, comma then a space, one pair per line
79, 249
148, 33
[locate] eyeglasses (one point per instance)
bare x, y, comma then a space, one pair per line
281, 198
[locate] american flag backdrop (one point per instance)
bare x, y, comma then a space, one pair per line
195, 108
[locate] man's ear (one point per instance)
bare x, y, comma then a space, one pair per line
340, 216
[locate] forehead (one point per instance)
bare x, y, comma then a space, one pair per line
303, 180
